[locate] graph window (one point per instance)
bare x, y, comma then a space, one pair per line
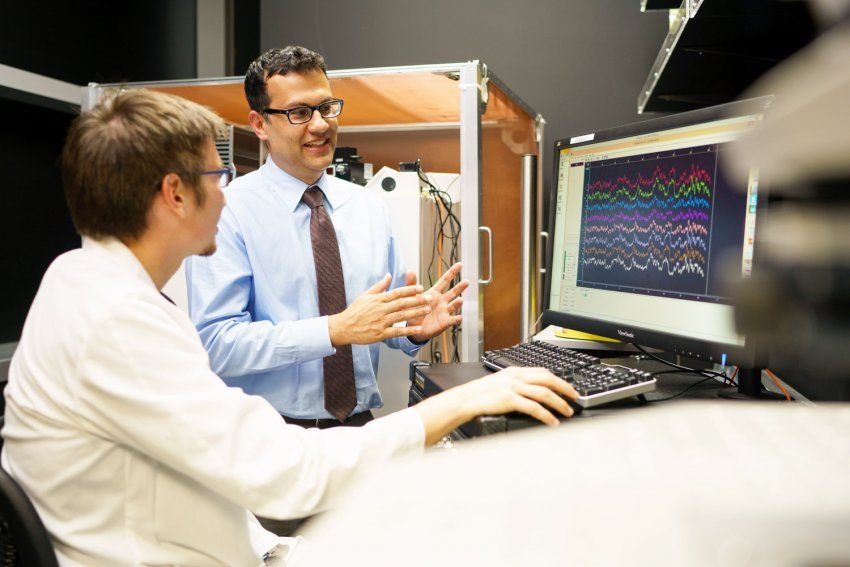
648, 229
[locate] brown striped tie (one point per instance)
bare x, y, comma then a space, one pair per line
340, 396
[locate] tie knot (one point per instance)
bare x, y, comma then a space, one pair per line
313, 197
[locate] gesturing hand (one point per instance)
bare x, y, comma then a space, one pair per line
370, 317
444, 304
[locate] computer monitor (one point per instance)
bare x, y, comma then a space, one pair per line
647, 221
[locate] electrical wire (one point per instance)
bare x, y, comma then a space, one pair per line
679, 369
708, 373
674, 396
446, 228
657, 372
440, 271
674, 371
534, 326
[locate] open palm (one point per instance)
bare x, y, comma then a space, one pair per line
445, 304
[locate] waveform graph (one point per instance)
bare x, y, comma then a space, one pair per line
646, 222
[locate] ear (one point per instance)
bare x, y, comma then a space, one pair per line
258, 123
174, 194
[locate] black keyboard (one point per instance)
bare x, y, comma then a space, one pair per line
596, 382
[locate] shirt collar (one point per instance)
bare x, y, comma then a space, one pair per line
291, 189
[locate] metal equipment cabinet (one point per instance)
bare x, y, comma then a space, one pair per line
455, 117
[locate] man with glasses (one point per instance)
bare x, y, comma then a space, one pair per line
292, 307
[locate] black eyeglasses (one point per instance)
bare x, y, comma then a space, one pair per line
303, 114
224, 174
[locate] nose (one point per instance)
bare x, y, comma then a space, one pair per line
317, 123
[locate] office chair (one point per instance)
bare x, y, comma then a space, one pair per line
23, 537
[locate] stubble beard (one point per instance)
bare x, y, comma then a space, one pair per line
208, 251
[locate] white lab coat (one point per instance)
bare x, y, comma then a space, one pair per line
134, 452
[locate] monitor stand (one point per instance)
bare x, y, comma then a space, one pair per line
750, 387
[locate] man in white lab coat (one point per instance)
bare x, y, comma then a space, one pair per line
131, 449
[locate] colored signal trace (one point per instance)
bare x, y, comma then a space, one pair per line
646, 221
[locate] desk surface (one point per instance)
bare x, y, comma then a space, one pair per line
674, 484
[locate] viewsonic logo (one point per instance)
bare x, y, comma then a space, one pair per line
625, 333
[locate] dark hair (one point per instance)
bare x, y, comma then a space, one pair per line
117, 153
278, 62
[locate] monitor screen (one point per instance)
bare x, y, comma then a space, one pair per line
648, 224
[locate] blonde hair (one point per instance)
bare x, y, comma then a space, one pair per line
116, 155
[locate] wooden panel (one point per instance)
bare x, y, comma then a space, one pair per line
380, 99
227, 99
408, 98
438, 149
507, 134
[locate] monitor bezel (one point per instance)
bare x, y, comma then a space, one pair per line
749, 355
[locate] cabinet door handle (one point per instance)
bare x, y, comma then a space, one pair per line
489, 255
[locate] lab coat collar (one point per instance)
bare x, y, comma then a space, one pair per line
119, 253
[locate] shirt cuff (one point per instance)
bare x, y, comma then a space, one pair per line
409, 346
314, 338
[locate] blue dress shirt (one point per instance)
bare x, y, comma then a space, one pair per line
255, 304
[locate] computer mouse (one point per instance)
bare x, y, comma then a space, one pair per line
577, 409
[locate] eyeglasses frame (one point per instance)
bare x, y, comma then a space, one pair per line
223, 171
312, 108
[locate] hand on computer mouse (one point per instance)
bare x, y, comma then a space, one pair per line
531, 391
